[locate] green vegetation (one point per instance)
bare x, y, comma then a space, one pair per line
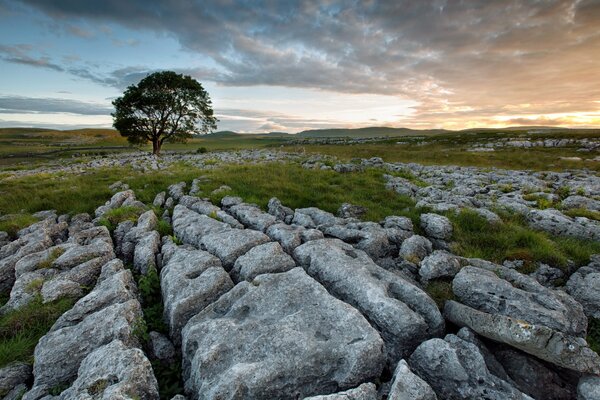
21, 329
54, 254
114, 217
583, 212
476, 237
593, 334
440, 291
14, 222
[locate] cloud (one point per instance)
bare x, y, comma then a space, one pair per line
458, 59
33, 105
20, 55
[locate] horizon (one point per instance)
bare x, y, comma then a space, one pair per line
289, 68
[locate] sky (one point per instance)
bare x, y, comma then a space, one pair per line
297, 65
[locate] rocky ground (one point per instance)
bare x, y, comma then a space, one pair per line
292, 304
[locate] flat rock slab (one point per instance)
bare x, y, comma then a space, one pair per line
190, 281
503, 291
252, 217
263, 259
456, 369
556, 347
190, 227
403, 314
281, 336
230, 245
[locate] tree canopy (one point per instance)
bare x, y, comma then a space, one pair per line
163, 107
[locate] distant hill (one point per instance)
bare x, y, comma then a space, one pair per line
367, 132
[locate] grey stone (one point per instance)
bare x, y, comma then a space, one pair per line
278, 338
415, 248
292, 236
557, 223
190, 227
533, 377
144, 255
348, 210
402, 223
367, 236
161, 348
406, 385
546, 275
280, 211
400, 311
581, 202
588, 388
229, 201
556, 347
317, 216
584, 286
366, 391
262, 259
13, 375
147, 221
252, 217
520, 297
159, 199
439, 264
16, 393
436, 226
120, 199
190, 281
230, 245
176, 190
456, 369
59, 353
114, 371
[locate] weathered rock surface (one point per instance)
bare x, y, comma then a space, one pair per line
13, 375
406, 385
556, 223
506, 292
190, 281
114, 371
588, 388
292, 236
436, 226
439, 264
278, 338
190, 227
556, 347
252, 217
366, 391
456, 369
263, 259
230, 245
401, 312
584, 286
415, 248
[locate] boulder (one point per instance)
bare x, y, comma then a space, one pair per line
506, 292
402, 313
556, 347
348, 210
114, 371
263, 259
436, 226
415, 248
13, 375
588, 388
161, 348
406, 385
144, 255
230, 245
292, 236
190, 227
456, 369
59, 353
190, 281
584, 286
252, 217
439, 265
558, 224
280, 337
280, 211
176, 191
159, 199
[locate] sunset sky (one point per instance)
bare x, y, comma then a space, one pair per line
290, 66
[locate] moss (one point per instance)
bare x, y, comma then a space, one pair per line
114, 217
164, 228
34, 286
11, 224
582, 212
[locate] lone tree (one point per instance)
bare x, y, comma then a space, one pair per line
164, 106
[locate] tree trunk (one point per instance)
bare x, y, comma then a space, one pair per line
156, 147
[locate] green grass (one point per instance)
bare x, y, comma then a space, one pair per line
475, 237
583, 212
21, 329
593, 334
14, 222
114, 217
440, 291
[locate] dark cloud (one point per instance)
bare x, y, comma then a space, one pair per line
459, 58
20, 55
29, 105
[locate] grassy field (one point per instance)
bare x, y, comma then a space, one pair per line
22, 149
295, 187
